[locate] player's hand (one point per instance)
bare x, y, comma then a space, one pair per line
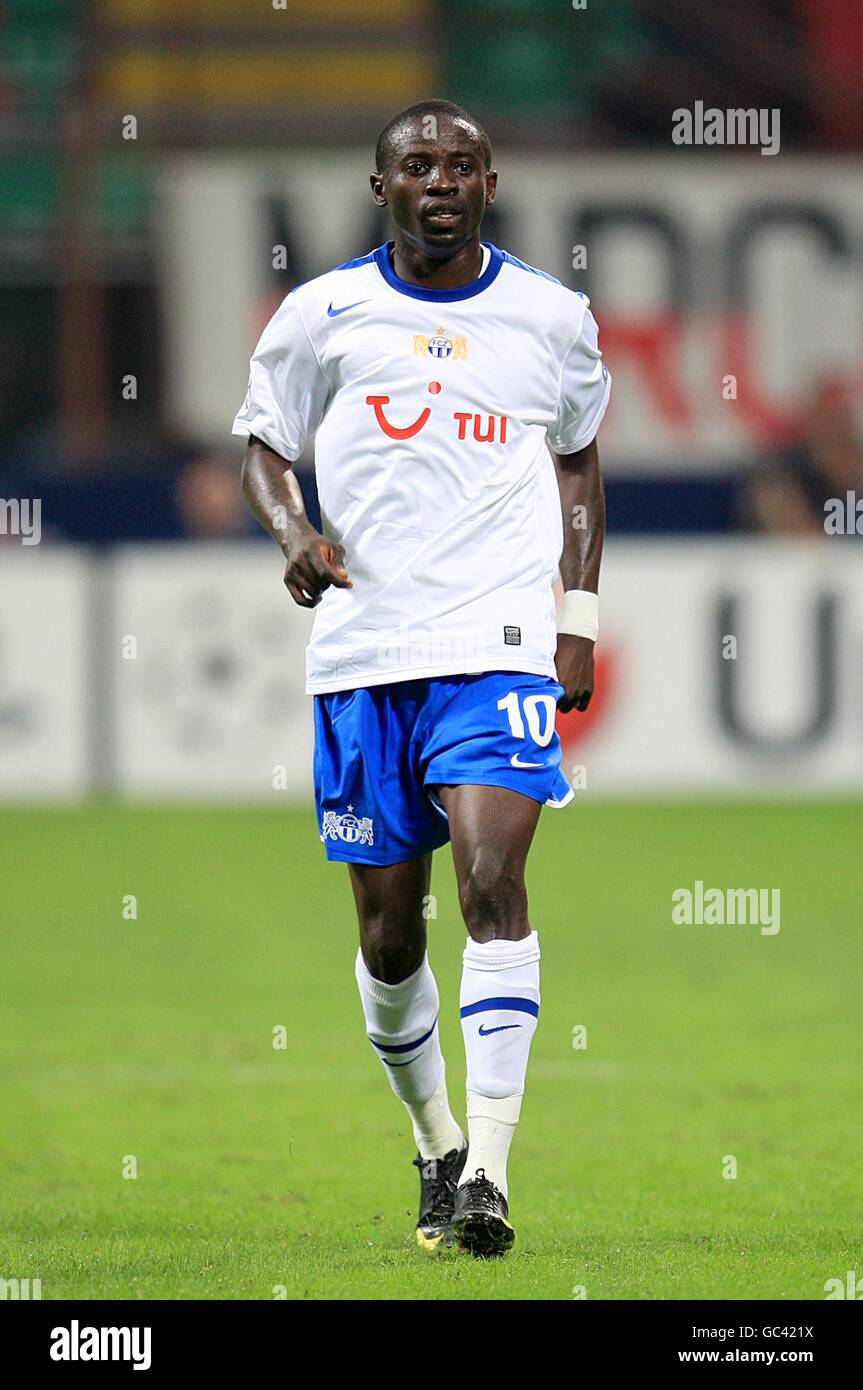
574, 662
314, 563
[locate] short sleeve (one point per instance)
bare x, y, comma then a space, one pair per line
287, 391
585, 388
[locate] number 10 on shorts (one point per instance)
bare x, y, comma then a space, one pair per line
537, 711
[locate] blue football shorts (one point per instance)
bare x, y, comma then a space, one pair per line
381, 750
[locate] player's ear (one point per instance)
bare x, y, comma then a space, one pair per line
490, 186
377, 183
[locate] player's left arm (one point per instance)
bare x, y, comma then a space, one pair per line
583, 504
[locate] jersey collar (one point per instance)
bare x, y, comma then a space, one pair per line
384, 264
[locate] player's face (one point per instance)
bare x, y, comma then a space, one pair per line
436, 188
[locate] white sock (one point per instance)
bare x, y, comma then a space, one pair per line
499, 1009
491, 1126
435, 1129
401, 1023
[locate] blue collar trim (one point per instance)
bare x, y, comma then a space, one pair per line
381, 257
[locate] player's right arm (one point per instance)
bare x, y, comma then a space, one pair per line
285, 402
273, 496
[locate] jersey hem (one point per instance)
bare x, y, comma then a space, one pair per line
413, 673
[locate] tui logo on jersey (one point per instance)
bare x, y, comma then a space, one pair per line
354, 830
440, 346
493, 431
396, 431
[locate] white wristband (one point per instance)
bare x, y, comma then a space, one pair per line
580, 614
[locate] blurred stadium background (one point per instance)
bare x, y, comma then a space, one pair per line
167, 173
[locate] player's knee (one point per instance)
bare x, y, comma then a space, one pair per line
392, 944
493, 898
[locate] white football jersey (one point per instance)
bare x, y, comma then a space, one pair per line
433, 411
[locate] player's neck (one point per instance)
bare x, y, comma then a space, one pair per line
413, 266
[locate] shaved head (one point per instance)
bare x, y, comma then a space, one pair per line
428, 112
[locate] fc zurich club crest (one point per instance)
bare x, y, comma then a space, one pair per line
440, 346
354, 830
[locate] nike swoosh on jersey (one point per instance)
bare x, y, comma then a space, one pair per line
334, 313
504, 1028
515, 760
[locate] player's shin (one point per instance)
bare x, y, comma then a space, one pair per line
499, 1010
401, 1023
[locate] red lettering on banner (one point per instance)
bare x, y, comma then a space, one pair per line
766, 420
576, 725
656, 349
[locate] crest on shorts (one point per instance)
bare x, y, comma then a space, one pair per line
354, 830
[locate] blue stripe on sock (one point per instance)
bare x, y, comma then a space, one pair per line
403, 1047
521, 1006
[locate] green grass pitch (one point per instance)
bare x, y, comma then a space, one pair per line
259, 1168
